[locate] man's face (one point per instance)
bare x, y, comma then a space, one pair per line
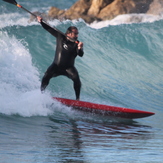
73, 34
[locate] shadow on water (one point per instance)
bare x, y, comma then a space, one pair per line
70, 137
76, 134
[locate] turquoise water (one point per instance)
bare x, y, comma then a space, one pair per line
122, 66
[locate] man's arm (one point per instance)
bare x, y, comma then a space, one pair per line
80, 52
80, 49
51, 30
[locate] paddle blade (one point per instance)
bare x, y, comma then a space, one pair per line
11, 1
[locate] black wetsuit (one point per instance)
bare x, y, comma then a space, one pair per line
63, 64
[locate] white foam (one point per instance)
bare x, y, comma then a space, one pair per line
19, 78
16, 19
126, 19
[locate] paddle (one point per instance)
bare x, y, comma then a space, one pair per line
18, 5
15, 3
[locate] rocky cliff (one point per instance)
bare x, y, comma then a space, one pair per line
91, 10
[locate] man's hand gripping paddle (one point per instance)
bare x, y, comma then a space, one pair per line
18, 5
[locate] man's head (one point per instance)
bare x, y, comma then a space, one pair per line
72, 32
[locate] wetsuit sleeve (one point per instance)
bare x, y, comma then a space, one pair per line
51, 30
80, 52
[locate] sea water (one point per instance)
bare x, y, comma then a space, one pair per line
121, 66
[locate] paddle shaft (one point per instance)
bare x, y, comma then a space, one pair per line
15, 3
26, 10
44, 21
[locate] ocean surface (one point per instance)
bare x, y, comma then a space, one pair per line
122, 66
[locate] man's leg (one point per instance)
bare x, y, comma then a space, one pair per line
73, 74
45, 81
47, 76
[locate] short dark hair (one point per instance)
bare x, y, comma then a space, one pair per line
69, 29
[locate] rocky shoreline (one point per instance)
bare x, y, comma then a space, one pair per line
100, 10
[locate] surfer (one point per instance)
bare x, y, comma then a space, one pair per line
67, 49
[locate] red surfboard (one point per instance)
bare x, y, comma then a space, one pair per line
104, 109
